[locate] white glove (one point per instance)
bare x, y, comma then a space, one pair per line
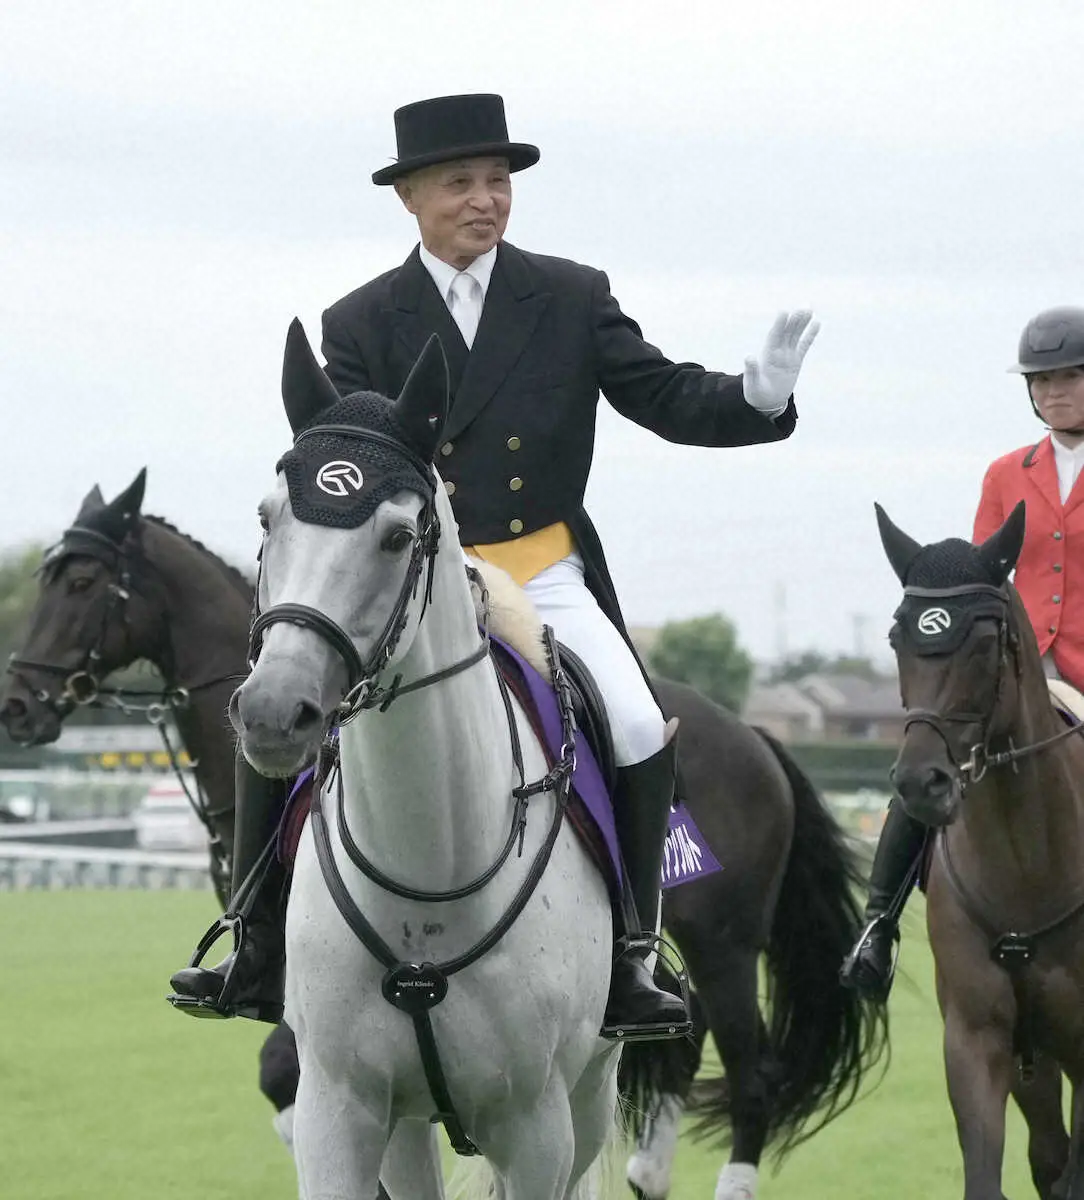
768, 382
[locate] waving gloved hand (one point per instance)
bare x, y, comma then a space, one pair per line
768, 381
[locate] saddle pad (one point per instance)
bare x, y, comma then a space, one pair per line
686, 855
1067, 700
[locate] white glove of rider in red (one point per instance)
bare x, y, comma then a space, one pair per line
768, 382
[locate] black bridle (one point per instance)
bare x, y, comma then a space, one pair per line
980, 760
362, 689
363, 675
84, 687
974, 767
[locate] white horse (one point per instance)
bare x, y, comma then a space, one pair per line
363, 583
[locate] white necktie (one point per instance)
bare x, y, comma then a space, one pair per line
466, 297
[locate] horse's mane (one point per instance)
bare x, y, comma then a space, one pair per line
235, 577
512, 616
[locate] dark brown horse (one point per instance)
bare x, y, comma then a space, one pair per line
988, 763
120, 587
785, 891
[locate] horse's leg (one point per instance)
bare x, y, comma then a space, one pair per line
593, 1107
532, 1150
1039, 1099
278, 1079
411, 1169
648, 1168
979, 1068
338, 1142
1071, 1185
728, 991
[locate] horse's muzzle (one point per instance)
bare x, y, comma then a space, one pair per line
930, 793
280, 733
28, 721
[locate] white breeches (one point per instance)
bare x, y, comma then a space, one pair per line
562, 599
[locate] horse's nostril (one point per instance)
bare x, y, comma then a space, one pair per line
938, 782
12, 710
307, 717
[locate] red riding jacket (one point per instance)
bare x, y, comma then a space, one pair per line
1050, 569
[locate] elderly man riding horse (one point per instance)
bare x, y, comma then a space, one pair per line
1045, 475
530, 341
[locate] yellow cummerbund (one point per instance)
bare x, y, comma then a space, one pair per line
525, 556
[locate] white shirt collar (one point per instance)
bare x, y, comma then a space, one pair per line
1068, 462
443, 273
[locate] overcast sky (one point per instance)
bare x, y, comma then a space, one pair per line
178, 180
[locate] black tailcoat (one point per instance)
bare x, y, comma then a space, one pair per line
518, 443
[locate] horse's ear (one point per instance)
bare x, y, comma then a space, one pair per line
121, 515
306, 390
422, 407
92, 501
1002, 548
900, 548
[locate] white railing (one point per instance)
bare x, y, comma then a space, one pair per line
26, 866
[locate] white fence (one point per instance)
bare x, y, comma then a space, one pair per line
25, 866
70, 792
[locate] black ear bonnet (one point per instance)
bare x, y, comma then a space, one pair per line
348, 460
948, 588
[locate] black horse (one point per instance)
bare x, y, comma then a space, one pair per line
120, 586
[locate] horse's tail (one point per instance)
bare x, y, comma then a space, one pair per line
823, 1037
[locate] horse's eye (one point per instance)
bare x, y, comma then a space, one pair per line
398, 540
265, 524
79, 584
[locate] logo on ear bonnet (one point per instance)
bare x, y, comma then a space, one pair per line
933, 621
339, 478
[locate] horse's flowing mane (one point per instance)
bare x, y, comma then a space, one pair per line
237, 579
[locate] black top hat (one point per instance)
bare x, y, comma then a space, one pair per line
448, 127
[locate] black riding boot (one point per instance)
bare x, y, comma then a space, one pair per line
870, 966
637, 1009
248, 982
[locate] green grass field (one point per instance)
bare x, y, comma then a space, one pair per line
106, 1092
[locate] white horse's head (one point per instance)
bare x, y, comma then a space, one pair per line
352, 529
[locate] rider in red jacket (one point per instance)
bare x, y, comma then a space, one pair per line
1049, 577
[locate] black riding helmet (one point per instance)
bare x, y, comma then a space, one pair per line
1050, 341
